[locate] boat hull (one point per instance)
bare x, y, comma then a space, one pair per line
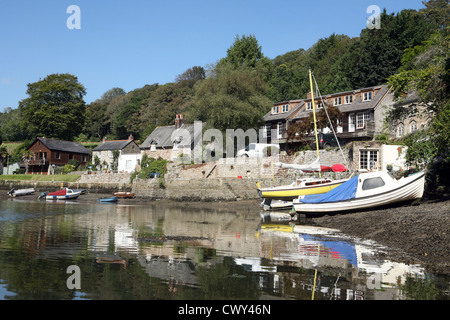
290, 193
410, 190
20, 192
65, 197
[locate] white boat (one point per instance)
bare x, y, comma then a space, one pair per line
20, 192
364, 191
63, 194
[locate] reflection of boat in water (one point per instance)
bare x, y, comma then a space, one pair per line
364, 191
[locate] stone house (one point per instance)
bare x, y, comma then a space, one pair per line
129, 154
364, 113
170, 142
46, 154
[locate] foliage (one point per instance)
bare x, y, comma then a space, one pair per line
54, 108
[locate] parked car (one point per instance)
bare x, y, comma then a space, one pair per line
255, 150
326, 141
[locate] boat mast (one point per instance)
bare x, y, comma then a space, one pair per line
314, 115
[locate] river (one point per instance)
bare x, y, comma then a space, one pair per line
77, 250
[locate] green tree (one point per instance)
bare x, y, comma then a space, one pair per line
54, 107
234, 98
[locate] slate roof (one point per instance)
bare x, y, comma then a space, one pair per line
112, 145
356, 105
161, 137
62, 145
272, 117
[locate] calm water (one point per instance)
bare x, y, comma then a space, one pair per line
165, 251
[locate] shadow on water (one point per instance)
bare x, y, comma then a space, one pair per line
162, 251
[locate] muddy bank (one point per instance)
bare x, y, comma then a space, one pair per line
420, 231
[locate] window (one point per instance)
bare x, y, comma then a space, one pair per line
367, 96
285, 108
265, 129
413, 126
368, 159
348, 99
83, 158
57, 155
400, 130
338, 101
128, 164
351, 122
275, 110
281, 128
362, 119
309, 106
372, 183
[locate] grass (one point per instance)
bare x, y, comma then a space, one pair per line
38, 177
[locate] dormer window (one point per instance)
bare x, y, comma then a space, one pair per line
275, 110
285, 108
309, 106
348, 99
338, 101
367, 96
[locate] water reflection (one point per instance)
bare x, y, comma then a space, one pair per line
167, 251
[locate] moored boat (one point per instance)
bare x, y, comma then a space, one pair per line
124, 194
110, 199
20, 192
63, 194
364, 191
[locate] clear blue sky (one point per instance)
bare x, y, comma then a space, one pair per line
128, 44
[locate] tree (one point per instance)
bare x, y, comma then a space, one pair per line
234, 98
55, 107
425, 71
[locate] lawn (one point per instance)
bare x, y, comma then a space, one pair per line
38, 177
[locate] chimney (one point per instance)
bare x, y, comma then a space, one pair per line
308, 95
179, 121
131, 138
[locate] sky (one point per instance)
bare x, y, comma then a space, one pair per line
129, 44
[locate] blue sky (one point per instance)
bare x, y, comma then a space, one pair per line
128, 44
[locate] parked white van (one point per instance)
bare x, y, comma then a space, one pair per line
255, 150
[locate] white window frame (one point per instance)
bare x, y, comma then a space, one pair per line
285, 108
367, 96
362, 119
368, 159
351, 122
275, 110
400, 129
348, 99
338, 101
279, 133
309, 106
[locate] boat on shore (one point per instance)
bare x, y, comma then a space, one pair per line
63, 194
20, 192
124, 194
364, 191
108, 200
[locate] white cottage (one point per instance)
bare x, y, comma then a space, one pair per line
129, 154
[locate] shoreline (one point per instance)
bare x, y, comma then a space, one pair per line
414, 233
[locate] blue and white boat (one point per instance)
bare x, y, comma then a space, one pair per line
364, 191
110, 199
